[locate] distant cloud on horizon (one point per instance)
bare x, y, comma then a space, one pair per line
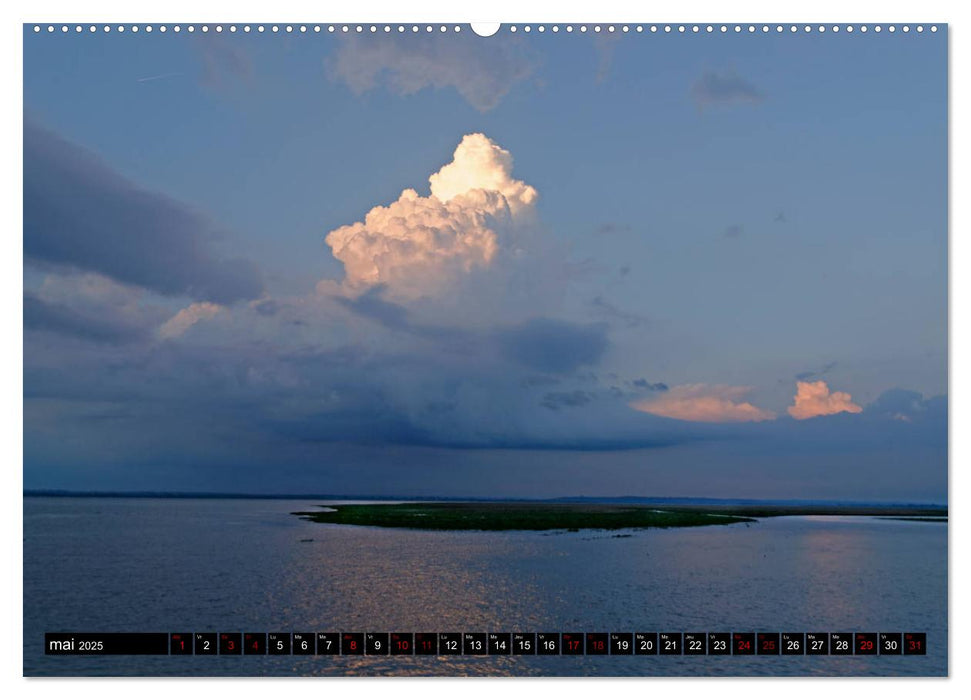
705, 403
814, 399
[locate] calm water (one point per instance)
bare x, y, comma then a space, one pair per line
240, 565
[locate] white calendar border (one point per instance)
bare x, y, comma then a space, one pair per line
433, 11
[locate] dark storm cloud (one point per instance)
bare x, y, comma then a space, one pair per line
288, 417
541, 344
40, 315
379, 425
724, 88
374, 425
550, 345
79, 213
347, 396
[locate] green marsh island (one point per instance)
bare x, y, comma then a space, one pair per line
513, 516
498, 516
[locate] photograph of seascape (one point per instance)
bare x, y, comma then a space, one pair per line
571, 333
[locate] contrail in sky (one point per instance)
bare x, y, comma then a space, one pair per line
157, 77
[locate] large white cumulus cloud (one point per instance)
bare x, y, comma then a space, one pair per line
480, 164
417, 245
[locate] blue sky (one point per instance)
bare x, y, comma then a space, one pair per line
683, 228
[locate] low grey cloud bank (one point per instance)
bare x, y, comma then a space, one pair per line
40, 315
80, 214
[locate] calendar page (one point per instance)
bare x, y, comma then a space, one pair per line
438, 349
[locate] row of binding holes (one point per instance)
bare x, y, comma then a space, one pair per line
722, 28
414, 28
259, 28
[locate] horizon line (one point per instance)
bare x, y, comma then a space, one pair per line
69, 493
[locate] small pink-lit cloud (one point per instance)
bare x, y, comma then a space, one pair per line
187, 318
705, 403
815, 399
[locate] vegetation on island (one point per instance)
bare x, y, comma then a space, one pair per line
514, 516
523, 515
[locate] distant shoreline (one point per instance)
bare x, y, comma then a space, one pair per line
751, 507
575, 516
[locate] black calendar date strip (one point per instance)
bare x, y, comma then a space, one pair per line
487, 643
105, 643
